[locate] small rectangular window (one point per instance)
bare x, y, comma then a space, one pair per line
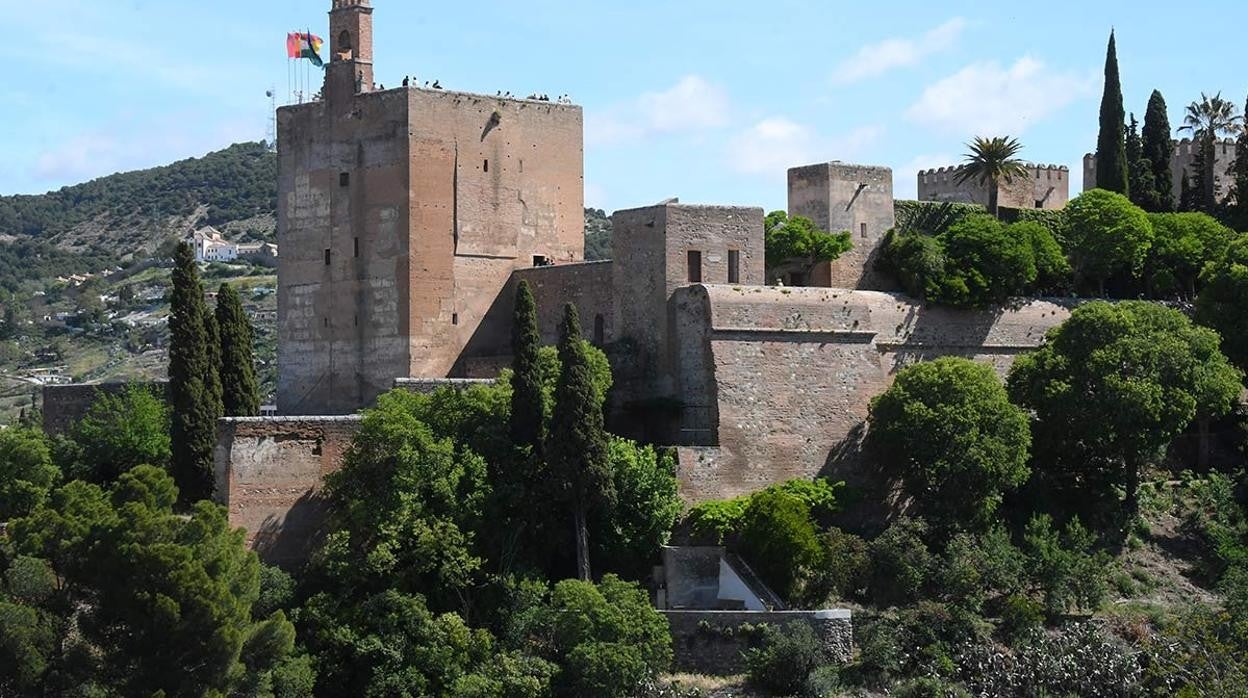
326, 256
454, 318
357, 247
863, 229
344, 179
695, 267
540, 260
1039, 203
734, 267
486, 166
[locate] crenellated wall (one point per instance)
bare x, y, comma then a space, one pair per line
1183, 160
1044, 186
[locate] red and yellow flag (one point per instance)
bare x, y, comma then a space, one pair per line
304, 45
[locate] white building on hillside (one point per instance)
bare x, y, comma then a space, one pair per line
211, 246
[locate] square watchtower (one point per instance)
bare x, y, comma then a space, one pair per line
842, 197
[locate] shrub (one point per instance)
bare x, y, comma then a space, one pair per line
915, 259
846, 568
973, 568
823, 682
1020, 616
1106, 235
779, 541
984, 264
918, 641
1069, 572
1079, 660
1052, 268
1200, 653
900, 563
930, 688
785, 658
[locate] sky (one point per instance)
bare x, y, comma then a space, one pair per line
707, 101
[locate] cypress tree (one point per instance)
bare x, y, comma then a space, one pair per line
1143, 190
240, 395
1111, 146
1241, 173
194, 387
527, 405
577, 446
1158, 148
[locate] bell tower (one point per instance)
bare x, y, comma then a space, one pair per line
350, 69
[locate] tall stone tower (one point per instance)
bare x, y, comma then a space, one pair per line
839, 197
401, 216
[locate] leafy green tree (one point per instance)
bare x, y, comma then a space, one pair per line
120, 432
405, 506
577, 443
1223, 301
1111, 147
162, 600
528, 406
917, 260
1106, 235
778, 538
1208, 120
990, 163
390, 644
1158, 148
607, 638
948, 428
194, 387
798, 241
240, 394
984, 264
27, 473
1052, 268
645, 509
1113, 386
1183, 243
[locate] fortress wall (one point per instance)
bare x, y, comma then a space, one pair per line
269, 472
795, 371
839, 197
1047, 183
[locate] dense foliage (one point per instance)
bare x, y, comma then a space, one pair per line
240, 396
1223, 302
1106, 234
797, 241
948, 429
119, 432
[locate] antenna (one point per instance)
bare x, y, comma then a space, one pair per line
270, 136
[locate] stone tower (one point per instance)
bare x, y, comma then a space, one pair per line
351, 46
401, 216
840, 197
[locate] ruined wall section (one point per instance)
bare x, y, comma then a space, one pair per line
794, 372
842, 197
269, 473
1044, 186
343, 225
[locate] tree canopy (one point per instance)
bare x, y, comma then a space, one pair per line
797, 240
1105, 235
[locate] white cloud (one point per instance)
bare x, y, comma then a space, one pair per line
906, 177
692, 104
876, 59
985, 99
773, 145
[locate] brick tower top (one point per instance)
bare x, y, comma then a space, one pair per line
350, 68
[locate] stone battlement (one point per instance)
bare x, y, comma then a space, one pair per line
1046, 171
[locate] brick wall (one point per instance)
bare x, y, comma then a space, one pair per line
269, 473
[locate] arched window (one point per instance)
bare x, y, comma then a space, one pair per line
344, 45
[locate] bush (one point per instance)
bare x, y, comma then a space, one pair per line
785, 659
779, 540
1052, 268
1106, 235
1020, 616
1079, 660
1069, 572
846, 568
975, 568
900, 563
984, 264
930, 688
918, 641
824, 682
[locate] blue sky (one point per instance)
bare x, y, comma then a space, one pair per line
708, 101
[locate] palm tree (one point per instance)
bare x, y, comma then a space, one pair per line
990, 163
1208, 120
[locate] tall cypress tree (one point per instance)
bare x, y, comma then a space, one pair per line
194, 387
1111, 145
527, 408
1143, 189
577, 446
1158, 145
240, 395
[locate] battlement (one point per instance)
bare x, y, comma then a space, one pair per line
347, 4
1035, 170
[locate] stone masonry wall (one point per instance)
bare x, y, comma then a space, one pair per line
1048, 184
269, 473
785, 376
842, 197
713, 642
1185, 152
